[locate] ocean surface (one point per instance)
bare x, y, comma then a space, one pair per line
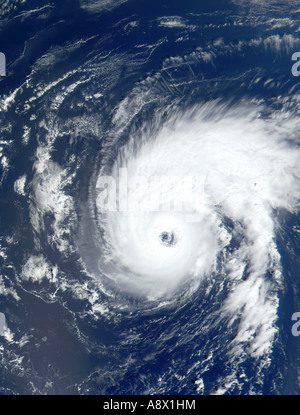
137, 301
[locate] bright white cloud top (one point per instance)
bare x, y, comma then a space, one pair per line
249, 168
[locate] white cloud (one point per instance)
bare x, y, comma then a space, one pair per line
251, 169
48, 196
19, 185
37, 268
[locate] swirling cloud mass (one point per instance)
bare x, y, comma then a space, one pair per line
250, 170
248, 166
151, 171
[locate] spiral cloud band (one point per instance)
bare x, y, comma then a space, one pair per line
150, 175
248, 167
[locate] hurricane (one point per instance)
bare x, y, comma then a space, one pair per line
242, 168
150, 160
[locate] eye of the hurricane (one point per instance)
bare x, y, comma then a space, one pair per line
167, 238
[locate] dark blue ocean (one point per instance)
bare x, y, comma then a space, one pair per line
82, 79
